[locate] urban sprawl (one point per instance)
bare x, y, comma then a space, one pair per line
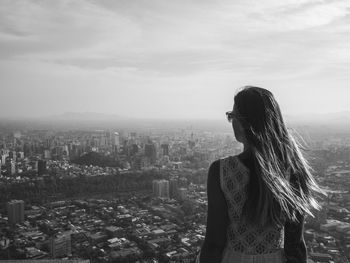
125, 196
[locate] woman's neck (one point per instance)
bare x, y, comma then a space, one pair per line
246, 153
246, 148
246, 157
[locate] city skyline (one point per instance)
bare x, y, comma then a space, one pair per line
129, 195
173, 60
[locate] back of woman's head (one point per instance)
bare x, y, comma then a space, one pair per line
272, 194
257, 109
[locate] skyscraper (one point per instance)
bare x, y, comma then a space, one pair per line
10, 166
116, 141
13, 155
34, 165
165, 149
161, 188
47, 154
134, 149
15, 211
173, 187
60, 246
151, 152
41, 167
3, 158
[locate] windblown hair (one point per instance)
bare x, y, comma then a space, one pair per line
281, 183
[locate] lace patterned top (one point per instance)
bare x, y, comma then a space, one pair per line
241, 237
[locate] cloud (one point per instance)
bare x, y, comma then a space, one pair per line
309, 15
170, 36
167, 50
60, 27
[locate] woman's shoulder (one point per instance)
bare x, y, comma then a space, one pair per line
227, 158
214, 171
214, 166
224, 166
231, 161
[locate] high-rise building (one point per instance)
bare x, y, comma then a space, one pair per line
139, 162
103, 141
182, 194
5, 151
15, 211
155, 187
47, 154
161, 188
134, 149
3, 158
41, 167
13, 155
60, 246
65, 150
116, 141
34, 165
173, 187
151, 152
27, 149
20, 155
165, 149
10, 166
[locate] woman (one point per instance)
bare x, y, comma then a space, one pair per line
257, 201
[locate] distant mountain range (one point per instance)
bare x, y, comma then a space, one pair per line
84, 116
339, 121
338, 118
320, 118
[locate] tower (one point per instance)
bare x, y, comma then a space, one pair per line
41, 167
173, 187
161, 188
15, 211
60, 245
116, 141
151, 152
10, 166
165, 149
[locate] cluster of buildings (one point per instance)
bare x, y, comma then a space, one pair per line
327, 235
173, 188
14, 162
30, 151
164, 223
131, 228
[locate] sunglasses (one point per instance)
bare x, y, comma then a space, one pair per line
230, 115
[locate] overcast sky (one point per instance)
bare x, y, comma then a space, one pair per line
172, 59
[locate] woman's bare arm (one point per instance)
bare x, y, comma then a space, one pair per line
217, 219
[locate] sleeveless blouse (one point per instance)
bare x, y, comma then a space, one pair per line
242, 237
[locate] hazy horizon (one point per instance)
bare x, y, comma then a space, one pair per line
171, 60
110, 116
333, 123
